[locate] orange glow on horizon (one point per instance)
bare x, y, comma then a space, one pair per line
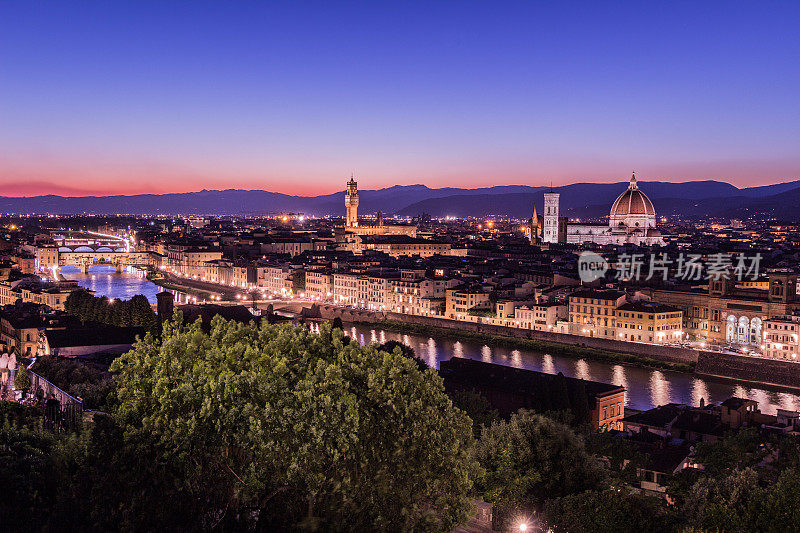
112, 178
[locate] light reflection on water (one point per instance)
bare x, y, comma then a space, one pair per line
582, 370
618, 378
105, 281
486, 354
646, 388
659, 388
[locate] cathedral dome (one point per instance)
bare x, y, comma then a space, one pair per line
632, 202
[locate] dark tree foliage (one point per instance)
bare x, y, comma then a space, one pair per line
28, 477
611, 509
247, 428
20, 416
530, 459
750, 483
135, 312
477, 407
78, 379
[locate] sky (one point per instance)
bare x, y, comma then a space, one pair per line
120, 97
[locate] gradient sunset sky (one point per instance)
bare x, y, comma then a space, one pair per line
104, 97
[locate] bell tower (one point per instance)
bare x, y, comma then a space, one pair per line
550, 217
351, 203
782, 286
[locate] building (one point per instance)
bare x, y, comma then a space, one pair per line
273, 278
550, 230
632, 220
88, 341
509, 389
34, 290
378, 290
352, 226
350, 289
646, 321
414, 294
592, 313
533, 228
782, 337
725, 313
460, 301
740, 412
21, 323
351, 204
319, 284
399, 246
541, 316
191, 261
662, 462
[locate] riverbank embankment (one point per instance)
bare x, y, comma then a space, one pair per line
608, 350
772, 373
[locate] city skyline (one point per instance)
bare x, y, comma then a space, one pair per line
121, 99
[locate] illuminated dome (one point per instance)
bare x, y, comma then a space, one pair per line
632, 202
632, 209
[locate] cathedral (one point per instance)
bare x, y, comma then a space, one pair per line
632, 220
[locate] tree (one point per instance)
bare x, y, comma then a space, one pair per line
22, 379
622, 455
721, 503
28, 479
278, 422
742, 449
612, 509
777, 505
477, 407
531, 458
141, 314
337, 323
404, 350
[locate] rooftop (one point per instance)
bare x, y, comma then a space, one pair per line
645, 306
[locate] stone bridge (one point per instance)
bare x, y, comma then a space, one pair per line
119, 260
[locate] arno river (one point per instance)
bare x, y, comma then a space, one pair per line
105, 281
646, 388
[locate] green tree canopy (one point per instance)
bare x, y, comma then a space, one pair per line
22, 379
612, 509
531, 458
287, 423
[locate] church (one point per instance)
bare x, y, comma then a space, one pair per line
632, 220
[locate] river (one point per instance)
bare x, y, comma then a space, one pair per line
105, 281
646, 387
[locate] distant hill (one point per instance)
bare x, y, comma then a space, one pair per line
694, 198
593, 200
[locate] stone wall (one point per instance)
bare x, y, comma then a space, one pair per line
661, 353
753, 369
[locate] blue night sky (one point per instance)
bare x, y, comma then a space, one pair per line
129, 97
